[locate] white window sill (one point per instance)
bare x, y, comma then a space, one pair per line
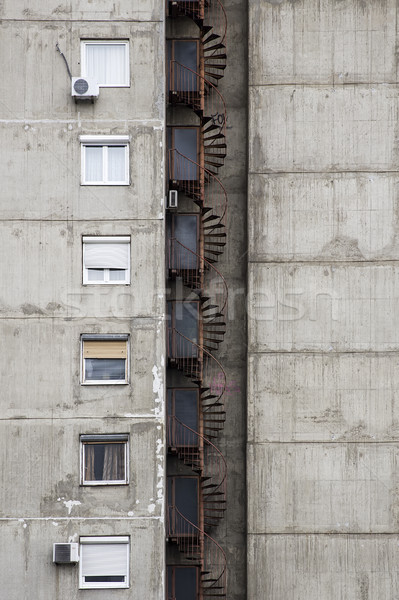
104, 382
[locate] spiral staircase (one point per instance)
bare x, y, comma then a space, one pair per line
195, 358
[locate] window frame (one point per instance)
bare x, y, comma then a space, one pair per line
101, 541
109, 438
105, 142
96, 239
104, 337
97, 42
171, 578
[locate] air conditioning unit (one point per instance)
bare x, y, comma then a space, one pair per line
84, 88
65, 554
173, 199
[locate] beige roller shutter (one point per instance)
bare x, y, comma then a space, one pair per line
105, 349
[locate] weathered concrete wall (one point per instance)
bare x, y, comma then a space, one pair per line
44, 307
322, 345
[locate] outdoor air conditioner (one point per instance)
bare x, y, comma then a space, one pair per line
65, 554
173, 198
84, 88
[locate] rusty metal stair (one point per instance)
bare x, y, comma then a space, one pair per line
208, 193
201, 549
204, 458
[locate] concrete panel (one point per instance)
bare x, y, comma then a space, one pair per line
316, 41
143, 10
328, 567
41, 176
44, 353
326, 308
304, 128
296, 397
30, 561
52, 486
32, 64
323, 488
314, 217
55, 247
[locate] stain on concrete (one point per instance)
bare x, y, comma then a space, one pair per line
364, 584
342, 247
330, 415
31, 309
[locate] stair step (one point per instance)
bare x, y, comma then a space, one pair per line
215, 57
205, 209
206, 28
220, 155
217, 225
210, 38
214, 75
211, 127
214, 47
215, 136
211, 217
223, 146
213, 164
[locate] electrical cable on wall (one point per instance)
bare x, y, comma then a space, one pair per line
65, 60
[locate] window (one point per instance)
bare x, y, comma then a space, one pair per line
184, 153
182, 582
106, 61
183, 65
106, 260
104, 459
183, 332
104, 358
182, 417
183, 495
104, 562
105, 159
182, 233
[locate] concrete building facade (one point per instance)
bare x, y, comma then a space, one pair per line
323, 343
202, 410
53, 207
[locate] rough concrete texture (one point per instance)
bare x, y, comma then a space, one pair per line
31, 562
44, 307
322, 303
323, 566
232, 264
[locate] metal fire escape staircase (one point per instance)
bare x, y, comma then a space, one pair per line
197, 546
210, 17
194, 358
207, 192
205, 459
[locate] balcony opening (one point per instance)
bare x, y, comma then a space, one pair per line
183, 60
182, 583
183, 143
182, 418
183, 495
182, 235
183, 329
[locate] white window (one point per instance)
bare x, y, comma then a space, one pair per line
106, 61
104, 459
105, 159
104, 562
106, 260
105, 358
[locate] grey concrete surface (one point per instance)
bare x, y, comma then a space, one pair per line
44, 306
322, 300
